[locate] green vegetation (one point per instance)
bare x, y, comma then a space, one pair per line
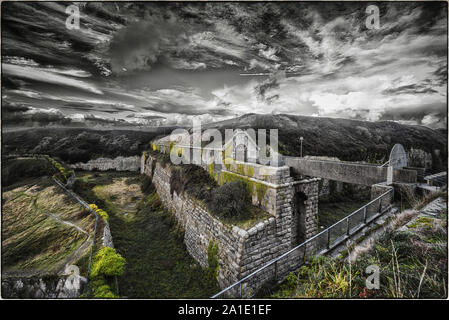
413, 264
422, 221
64, 173
73, 145
107, 263
15, 170
212, 259
38, 229
192, 179
253, 187
348, 140
102, 290
157, 262
163, 158
321, 278
103, 214
230, 202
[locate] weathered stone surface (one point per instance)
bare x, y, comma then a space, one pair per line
107, 236
348, 172
241, 252
49, 287
104, 164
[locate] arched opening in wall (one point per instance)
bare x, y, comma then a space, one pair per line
241, 153
299, 218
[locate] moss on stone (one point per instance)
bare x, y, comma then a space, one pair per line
211, 170
257, 188
212, 259
422, 221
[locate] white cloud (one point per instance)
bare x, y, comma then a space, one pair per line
43, 75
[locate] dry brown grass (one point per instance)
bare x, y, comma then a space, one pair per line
403, 218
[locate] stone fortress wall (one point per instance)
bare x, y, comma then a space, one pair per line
241, 252
292, 205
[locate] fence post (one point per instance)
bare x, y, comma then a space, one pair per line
347, 225
380, 205
328, 238
364, 215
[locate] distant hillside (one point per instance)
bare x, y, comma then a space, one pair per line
350, 140
77, 145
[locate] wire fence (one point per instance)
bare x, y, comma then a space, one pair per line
85, 205
326, 240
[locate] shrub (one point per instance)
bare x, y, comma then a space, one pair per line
108, 262
65, 174
230, 200
104, 291
103, 214
100, 288
193, 179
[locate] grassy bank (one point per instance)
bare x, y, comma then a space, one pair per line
158, 264
412, 262
42, 229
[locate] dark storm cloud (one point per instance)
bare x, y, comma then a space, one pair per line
139, 45
181, 60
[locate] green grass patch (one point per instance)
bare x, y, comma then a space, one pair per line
157, 262
35, 238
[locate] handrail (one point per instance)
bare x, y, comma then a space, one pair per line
299, 246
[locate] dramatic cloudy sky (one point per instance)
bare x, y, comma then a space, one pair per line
165, 63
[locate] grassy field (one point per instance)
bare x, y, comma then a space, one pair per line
43, 229
158, 264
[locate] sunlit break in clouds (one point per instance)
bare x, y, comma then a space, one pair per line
151, 64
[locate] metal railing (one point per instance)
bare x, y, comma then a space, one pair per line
321, 243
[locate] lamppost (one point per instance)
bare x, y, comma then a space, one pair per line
300, 139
